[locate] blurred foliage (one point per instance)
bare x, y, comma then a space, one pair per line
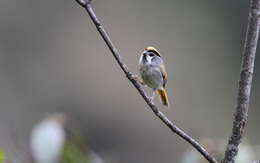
73, 154
2, 156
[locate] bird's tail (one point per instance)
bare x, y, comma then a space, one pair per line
163, 96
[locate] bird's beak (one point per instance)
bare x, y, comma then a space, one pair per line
143, 58
145, 53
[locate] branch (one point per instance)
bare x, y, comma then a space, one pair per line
86, 4
245, 82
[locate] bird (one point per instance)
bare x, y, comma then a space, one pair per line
53, 140
153, 73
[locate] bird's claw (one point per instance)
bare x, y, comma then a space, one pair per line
138, 79
135, 77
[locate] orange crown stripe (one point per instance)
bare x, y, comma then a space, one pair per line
152, 49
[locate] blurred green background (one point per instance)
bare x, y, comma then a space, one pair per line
53, 60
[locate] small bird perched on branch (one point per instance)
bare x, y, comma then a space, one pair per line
153, 73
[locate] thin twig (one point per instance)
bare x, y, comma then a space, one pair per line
245, 82
86, 4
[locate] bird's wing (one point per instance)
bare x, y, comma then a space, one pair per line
164, 74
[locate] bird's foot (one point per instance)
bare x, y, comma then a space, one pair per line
138, 79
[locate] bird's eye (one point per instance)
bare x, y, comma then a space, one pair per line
151, 54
